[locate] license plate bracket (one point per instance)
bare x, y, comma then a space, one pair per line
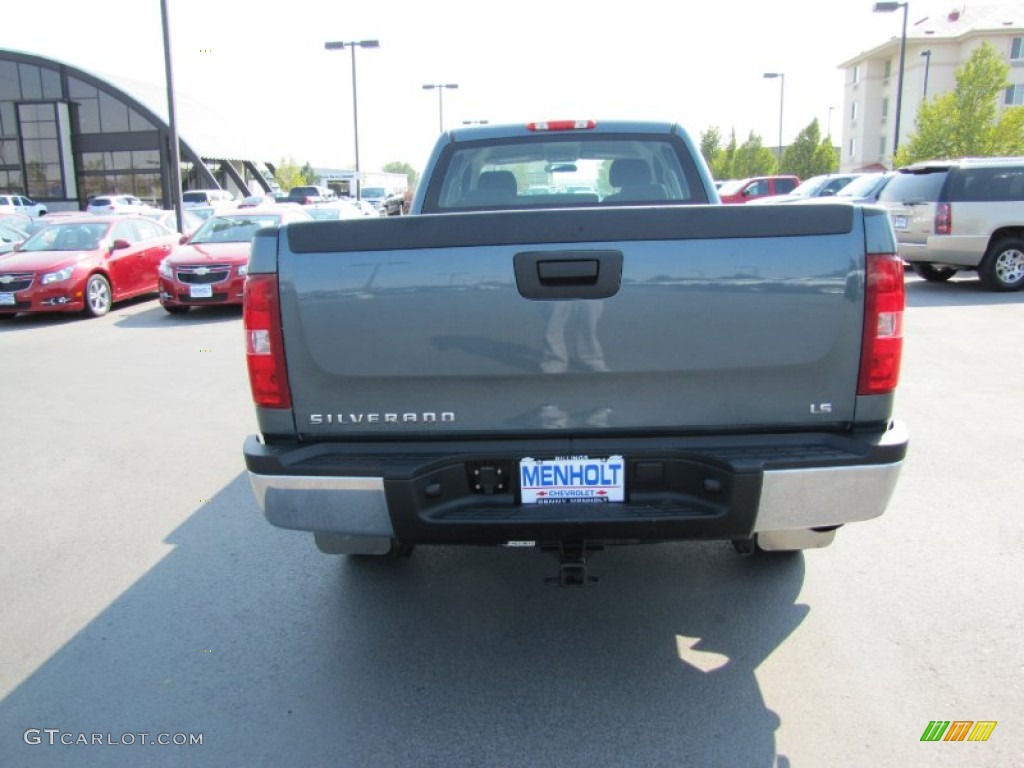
572, 479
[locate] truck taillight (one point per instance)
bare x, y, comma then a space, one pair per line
562, 125
882, 343
943, 219
264, 349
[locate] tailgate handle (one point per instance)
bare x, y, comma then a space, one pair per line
551, 275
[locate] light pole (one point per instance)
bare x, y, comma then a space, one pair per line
352, 45
782, 97
440, 102
889, 8
927, 53
175, 148
828, 130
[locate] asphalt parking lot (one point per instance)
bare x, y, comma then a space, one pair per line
143, 593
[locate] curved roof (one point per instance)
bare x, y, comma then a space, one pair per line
200, 127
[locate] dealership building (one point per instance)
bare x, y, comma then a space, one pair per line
67, 135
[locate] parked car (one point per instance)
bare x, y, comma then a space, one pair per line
308, 195
339, 209
84, 263
34, 225
373, 195
116, 204
195, 197
256, 201
745, 190
864, 189
966, 214
11, 237
21, 204
393, 205
189, 221
397, 204
365, 206
824, 186
19, 220
210, 267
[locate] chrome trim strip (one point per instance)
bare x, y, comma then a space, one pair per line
794, 499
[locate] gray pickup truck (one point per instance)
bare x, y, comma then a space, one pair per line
572, 344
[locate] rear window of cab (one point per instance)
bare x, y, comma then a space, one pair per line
518, 173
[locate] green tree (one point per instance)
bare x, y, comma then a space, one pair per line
752, 158
411, 173
810, 154
965, 122
711, 146
309, 176
288, 174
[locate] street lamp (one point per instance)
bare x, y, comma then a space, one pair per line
927, 53
440, 103
889, 8
175, 159
475, 122
352, 45
782, 96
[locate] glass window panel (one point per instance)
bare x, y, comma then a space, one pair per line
10, 181
89, 116
113, 114
9, 87
146, 159
8, 124
91, 161
79, 90
94, 185
41, 151
31, 82
137, 122
51, 84
121, 160
9, 152
46, 130
30, 130
147, 186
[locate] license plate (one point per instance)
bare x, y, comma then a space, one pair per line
568, 479
7, 300
899, 222
201, 291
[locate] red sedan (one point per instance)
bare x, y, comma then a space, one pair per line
85, 264
210, 267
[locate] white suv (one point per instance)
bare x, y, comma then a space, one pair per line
195, 197
968, 214
116, 204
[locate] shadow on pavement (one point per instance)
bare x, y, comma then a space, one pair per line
959, 292
158, 317
455, 657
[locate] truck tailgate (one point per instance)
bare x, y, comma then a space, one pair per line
663, 318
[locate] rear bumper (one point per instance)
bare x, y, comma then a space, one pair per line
961, 251
175, 293
677, 488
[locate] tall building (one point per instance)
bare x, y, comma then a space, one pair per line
936, 47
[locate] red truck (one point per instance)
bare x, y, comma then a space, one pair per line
745, 190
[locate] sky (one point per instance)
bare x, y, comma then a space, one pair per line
263, 65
